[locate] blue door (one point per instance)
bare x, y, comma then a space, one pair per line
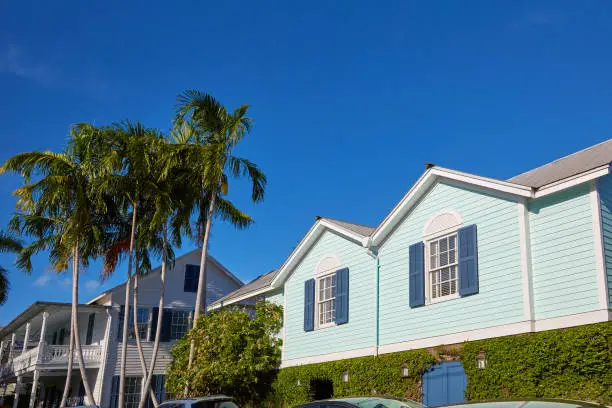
444, 384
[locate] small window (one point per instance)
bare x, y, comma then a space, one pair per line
326, 300
143, 324
132, 391
179, 324
443, 275
192, 277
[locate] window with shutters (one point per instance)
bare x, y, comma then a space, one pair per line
442, 268
179, 324
325, 300
132, 391
143, 324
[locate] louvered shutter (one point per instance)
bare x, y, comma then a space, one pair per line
192, 276
154, 315
166, 322
120, 323
416, 275
468, 260
115, 391
90, 326
342, 296
309, 294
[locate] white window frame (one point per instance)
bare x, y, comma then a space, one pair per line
318, 280
428, 270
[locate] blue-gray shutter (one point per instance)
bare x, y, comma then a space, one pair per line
154, 315
120, 325
342, 296
90, 326
416, 275
309, 295
192, 277
468, 260
166, 322
114, 392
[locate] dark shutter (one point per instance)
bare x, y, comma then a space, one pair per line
81, 389
468, 261
192, 277
154, 315
54, 341
342, 296
166, 322
90, 327
114, 392
416, 275
120, 324
62, 334
309, 295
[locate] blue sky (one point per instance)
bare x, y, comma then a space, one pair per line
349, 98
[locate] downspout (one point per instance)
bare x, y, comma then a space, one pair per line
373, 252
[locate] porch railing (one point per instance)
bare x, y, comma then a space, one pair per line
54, 354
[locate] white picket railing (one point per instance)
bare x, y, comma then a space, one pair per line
54, 354
25, 360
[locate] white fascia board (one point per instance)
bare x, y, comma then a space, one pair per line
246, 296
426, 180
572, 181
304, 246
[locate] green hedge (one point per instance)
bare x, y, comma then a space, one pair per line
570, 363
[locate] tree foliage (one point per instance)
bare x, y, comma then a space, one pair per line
237, 352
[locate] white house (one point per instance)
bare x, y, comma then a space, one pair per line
34, 345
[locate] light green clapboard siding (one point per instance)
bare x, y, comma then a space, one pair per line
499, 300
360, 331
276, 297
563, 254
604, 186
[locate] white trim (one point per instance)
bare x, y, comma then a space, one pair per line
426, 180
572, 181
600, 266
320, 273
579, 319
347, 233
431, 235
284, 346
321, 358
429, 300
526, 273
318, 279
460, 337
240, 298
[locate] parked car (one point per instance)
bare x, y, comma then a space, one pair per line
363, 402
213, 401
536, 403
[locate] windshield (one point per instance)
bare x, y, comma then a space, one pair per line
214, 404
383, 403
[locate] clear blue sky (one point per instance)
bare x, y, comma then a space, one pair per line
349, 98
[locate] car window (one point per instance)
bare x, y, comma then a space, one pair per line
171, 405
214, 404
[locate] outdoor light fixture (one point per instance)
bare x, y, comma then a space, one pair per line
481, 360
345, 376
404, 371
299, 384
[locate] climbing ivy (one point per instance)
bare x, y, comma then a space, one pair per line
572, 363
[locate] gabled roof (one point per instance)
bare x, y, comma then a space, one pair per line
209, 257
580, 167
248, 290
568, 166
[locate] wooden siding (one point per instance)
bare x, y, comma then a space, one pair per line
563, 254
604, 186
499, 300
360, 331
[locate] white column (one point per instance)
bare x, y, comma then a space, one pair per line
13, 338
26, 338
1, 350
17, 390
105, 344
41, 340
34, 388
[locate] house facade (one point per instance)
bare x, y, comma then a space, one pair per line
461, 257
34, 344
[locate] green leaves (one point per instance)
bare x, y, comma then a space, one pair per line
237, 352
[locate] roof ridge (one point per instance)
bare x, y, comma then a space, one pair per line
348, 222
560, 158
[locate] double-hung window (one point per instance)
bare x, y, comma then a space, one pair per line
132, 391
443, 274
179, 324
326, 300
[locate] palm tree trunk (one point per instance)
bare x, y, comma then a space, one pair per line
126, 311
75, 325
69, 373
162, 291
143, 363
202, 279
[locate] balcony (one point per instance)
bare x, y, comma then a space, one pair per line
48, 357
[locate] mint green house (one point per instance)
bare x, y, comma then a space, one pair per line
461, 257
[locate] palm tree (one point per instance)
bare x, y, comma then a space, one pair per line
57, 210
216, 132
7, 244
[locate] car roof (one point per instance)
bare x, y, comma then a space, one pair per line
198, 399
528, 404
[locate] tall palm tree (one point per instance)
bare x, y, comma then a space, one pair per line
7, 244
217, 132
57, 210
